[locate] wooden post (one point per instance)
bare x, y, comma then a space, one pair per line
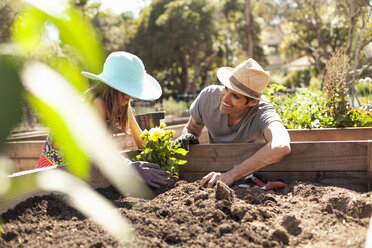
369, 165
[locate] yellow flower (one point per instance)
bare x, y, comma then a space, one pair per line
156, 133
170, 132
144, 134
162, 125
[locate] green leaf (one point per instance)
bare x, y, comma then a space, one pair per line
31, 25
181, 151
78, 163
181, 162
10, 96
71, 72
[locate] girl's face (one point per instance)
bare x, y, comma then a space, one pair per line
123, 99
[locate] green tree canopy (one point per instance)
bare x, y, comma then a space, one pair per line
177, 37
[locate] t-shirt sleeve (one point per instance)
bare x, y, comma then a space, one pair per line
196, 108
265, 115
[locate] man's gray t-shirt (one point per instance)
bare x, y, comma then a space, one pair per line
206, 110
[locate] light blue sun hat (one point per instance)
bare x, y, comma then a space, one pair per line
126, 73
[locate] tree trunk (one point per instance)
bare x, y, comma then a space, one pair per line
356, 59
184, 74
191, 89
249, 29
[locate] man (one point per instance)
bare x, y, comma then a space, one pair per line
237, 113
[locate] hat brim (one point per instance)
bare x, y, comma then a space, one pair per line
150, 90
224, 74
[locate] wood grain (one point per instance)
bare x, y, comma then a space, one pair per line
305, 156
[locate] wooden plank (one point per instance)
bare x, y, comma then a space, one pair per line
369, 167
305, 156
354, 180
23, 164
24, 149
331, 134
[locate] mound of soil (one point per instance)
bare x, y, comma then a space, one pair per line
302, 215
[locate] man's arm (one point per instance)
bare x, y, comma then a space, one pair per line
193, 127
190, 133
276, 148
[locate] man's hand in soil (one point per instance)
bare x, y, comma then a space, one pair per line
213, 177
151, 174
186, 140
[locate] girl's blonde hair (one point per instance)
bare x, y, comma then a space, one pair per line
109, 96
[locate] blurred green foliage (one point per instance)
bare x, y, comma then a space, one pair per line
364, 87
10, 96
172, 107
77, 161
297, 79
65, 41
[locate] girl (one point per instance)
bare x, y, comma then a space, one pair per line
123, 78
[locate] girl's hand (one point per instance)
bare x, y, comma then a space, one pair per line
151, 174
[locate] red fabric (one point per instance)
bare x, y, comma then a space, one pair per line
43, 162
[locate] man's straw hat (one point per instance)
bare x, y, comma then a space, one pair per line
248, 78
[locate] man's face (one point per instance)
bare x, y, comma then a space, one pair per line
233, 102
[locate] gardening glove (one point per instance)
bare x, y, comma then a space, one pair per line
151, 174
186, 140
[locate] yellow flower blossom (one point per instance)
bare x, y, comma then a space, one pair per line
144, 134
156, 133
162, 125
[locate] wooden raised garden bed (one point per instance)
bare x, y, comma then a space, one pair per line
307, 213
25, 151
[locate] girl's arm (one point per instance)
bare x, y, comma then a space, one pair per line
135, 130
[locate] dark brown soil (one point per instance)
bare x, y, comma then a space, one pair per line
302, 215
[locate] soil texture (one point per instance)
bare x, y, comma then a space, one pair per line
301, 215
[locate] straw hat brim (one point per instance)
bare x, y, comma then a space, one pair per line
224, 74
150, 90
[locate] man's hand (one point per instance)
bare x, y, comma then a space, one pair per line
186, 140
151, 174
213, 177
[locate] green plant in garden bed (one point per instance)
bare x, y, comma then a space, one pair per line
315, 109
159, 148
307, 110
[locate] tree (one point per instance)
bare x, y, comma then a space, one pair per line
241, 28
318, 27
177, 38
113, 28
250, 29
7, 15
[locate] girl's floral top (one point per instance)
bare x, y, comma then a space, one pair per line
51, 154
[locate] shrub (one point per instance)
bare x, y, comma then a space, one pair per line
335, 85
315, 83
364, 87
303, 109
172, 107
297, 79
307, 110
